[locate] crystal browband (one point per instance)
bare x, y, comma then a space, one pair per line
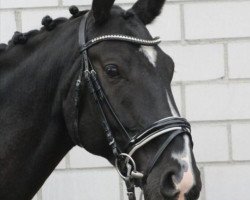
124, 38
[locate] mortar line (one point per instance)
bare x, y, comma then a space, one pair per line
85, 169
230, 146
226, 65
182, 24
18, 20
206, 41
212, 81
223, 163
60, 3
224, 121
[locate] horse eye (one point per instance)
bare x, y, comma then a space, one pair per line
112, 70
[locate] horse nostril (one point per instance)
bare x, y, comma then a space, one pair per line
168, 187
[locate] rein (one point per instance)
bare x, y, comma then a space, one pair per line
124, 162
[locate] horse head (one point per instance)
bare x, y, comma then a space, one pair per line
135, 79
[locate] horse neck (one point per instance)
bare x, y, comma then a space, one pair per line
33, 134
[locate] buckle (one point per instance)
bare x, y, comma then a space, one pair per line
126, 167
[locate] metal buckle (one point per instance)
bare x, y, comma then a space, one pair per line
131, 172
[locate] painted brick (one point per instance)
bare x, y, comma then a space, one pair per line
27, 3
125, 1
37, 15
80, 158
167, 25
218, 101
62, 164
241, 141
7, 25
76, 2
89, 2
217, 20
207, 136
227, 182
197, 62
76, 185
239, 60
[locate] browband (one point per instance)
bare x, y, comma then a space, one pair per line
121, 38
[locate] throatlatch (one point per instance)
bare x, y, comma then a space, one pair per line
124, 162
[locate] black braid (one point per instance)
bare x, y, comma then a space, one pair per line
19, 38
3, 47
48, 23
74, 11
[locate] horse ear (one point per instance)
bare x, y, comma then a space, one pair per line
147, 10
101, 10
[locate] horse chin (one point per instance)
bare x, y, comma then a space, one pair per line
155, 196
152, 192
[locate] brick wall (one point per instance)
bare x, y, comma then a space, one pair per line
210, 43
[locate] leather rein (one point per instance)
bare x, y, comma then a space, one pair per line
124, 162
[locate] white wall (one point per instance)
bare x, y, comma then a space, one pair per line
210, 43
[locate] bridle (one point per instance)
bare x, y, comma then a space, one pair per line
124, 162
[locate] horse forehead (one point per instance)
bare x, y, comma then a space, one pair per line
150, 53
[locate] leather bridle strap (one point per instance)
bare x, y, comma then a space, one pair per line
163, 126
94, 87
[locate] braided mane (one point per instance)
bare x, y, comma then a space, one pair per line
48, 23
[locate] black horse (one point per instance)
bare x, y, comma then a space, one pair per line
41, 106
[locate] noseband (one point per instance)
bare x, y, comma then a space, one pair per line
124, 162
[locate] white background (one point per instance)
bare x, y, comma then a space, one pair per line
209, 41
